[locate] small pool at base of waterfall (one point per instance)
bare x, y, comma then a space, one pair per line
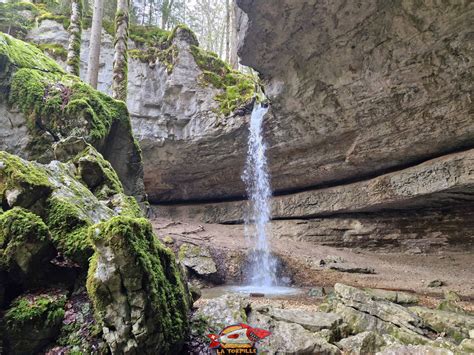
267, 291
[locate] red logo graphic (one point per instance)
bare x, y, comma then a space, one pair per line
237, 337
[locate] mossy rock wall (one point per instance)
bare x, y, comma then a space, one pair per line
137, 289
55, 106
56, 224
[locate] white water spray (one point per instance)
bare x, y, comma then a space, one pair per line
256, 178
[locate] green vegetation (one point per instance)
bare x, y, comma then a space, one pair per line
149, 55
134, 239
69, 228
16, 173
64, 105
53, 101
54, 50
97, 173
24, 55
238, 88
44, 310
64, 20
148, 35
17, 18
19, 227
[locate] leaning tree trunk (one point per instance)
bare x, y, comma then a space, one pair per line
75, 30
120, 70
94, 48
234, 59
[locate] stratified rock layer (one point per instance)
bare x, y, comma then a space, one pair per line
190, 149
359, 88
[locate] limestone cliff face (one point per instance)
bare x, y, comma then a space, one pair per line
360, 87
191, 151
372, 117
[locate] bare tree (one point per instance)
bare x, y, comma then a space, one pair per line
120, 68
74, 47
234, 59
227, 30
166, 8
94, 48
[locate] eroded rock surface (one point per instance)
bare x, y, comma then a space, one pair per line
351, 321
41, 105
60, 220
359, 88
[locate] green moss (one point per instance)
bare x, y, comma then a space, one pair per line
126, 206
64, 105
54, 50
17, 227
16, 173
237, 88
14, 20
167, 56
64, 20
43, 310
184, 31
24, 55
90, 162
162, 281
55, 102
148, 35
69, 230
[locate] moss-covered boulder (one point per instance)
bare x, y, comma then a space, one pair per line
32, 321
135, 286
137, 289
53, 192
25, 246
53, 105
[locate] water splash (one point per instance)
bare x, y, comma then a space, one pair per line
256, 178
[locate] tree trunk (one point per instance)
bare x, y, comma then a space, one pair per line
227, 30
234, 59
166, 8
94, 48
120, 69
74, 47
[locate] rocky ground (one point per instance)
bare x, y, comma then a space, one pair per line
346, 321
309, 265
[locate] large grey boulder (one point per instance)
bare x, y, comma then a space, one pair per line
292, 338
312, 321
454, 324
222, 312
362, 343
198, 259
414, 350
383, 310
290, 334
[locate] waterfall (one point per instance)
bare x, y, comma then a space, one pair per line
258, 215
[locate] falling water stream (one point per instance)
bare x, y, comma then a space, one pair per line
262, 264
257, 182
262, 269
